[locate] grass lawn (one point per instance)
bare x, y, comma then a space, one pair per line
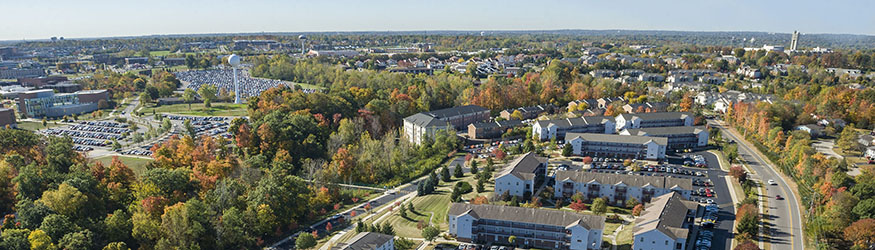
309, 86
138, 165
198, 109
34, 126
433, 206
159, 53
625, 237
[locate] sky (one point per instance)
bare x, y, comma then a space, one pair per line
42, 19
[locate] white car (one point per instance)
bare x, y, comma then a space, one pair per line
772, 182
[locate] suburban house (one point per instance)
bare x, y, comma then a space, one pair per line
650, 77
649, 120
490, 130
590, 104
813, 129
618, 188
647, 107
665, 223
550, 129
532, 227
603, 73
426, 124
681, 137
368, 241
526, 113
518, 177
617, 146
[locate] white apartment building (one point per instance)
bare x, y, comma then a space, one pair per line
368, 241
617, 146
532, 227
681, 137
616, 188
518, 177
426, 124
649, 120
665, 224
550, 129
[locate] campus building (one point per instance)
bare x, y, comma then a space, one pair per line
426, 124
665, 223
45, 103
682, 137
618, 188
550, 129
532, 227
518, 177
617, 146
650, 120
7, 118
368, 241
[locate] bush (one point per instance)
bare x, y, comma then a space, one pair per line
464, 187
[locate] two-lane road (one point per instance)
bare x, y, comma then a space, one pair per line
784, 220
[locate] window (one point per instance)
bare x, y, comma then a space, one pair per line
666, 243
679, 246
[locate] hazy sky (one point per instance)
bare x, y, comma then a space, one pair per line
41, 19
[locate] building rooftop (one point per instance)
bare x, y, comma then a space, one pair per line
628, 180
529, 215
433, 117
523, 166
658, 115
665, 130
364, 241
616, 138
667, 214
579, 121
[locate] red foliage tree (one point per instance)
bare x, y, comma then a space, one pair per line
747, 245
587, 160
578, 206
861, 232
636, 211
499, 154
328, 227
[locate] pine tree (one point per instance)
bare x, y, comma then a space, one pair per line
445, 174
457, 172
474, 168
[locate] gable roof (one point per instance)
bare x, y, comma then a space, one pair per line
434, 118
523, 167
576, 122
629, 180
365, 241
612, 138
666, 130
667, 214
528, 215
658, 116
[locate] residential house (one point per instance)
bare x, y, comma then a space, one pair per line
665, 223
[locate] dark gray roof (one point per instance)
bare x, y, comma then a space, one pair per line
665, 213
632, 139
364, 241
529, 215
505, 123
523, 167
424, 120
629, 180
658, 115
432, 118
579, 121
666, 130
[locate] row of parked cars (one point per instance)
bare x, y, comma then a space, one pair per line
194, 119
469, 246
81, 134
82, 148
91, 128
695, 160
105, 124
705, 236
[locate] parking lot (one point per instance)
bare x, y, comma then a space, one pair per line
89, 134
205, 125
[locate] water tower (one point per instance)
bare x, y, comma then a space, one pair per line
234, 60
303, 39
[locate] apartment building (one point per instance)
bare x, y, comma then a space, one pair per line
650, 77
518, 177
649, 120
550, 129
665, 223
426, 124
532, 227
617, 146
646, 107
368, 241
490, 130
616, 188
681, 137
603, 73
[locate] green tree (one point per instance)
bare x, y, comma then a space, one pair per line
15, 239
40, 240
145, 97
118, 226
511, 239
76, 241
404, 244
457, 172
599, 206
848, 139
186, 225
481, 185
305, 241
402, 211
232, 232
208, 94
116, 246
445, 174
474, 168
567, 150
430, 232
56, 226
188, 97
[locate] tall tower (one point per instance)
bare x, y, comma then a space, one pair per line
794, 41
234, 60
303, 39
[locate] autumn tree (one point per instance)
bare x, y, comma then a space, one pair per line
861, 232
577, 205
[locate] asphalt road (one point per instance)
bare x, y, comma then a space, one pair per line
784, 219
726, 216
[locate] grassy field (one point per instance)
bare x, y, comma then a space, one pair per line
625, 237
433, 206
309, 86
34, 126
198, 109
159, 53
138, 165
